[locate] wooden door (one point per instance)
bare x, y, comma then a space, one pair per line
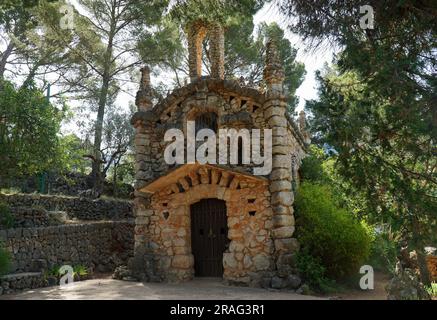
209, 237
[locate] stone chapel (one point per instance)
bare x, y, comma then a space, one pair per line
221, 221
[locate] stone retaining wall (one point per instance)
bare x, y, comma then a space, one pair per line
100, 246
23, 281
78, 208
29, 218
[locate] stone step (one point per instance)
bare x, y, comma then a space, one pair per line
16, 282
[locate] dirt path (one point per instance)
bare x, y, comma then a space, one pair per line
379, 293
198, 289
106, 288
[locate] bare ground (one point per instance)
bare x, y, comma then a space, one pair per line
198, 289
105, 288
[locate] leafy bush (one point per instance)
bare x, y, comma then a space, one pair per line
432, 290
311, 168
54, 272
6, 217
4, 260
383, 255
29, 138
80, 271
314, 273
330, 233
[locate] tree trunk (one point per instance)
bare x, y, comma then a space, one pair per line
97, 163
103, 98
4, 59
115, 182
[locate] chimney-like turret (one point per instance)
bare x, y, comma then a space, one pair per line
196, 33
274, 74
217, 51
302, 127
144, 95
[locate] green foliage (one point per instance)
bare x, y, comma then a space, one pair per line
227, 12
71, 155
54, 272
28, 131
329, 232
6, 218
80, 271
384, 251
432, 290
245, 56
311, 168
4, 260
313, 272
376, 107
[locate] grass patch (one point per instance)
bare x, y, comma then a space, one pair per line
432, 290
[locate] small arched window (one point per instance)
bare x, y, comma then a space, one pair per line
207, 120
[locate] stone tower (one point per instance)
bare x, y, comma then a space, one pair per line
216, 220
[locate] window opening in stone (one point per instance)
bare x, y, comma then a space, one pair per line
207, 121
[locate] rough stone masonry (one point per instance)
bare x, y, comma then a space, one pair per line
258, 248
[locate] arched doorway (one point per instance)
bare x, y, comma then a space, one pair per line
209, 237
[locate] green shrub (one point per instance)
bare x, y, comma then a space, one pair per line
311, 168
80, 271
383, 255
54, 272
432, 290
314, 273
4, 260
6, 217
329, 232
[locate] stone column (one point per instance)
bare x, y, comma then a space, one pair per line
143, 169
196, 33
217, 51
144, 95
280, 180
302, 127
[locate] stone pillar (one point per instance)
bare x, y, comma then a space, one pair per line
302, 127
144, 130
217, 51
144, 95
196, 33
280, 180
143, 169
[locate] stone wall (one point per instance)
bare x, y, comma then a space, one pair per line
100, 246
13, 283
76, 208
30, 217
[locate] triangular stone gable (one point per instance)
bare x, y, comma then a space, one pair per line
186, 176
